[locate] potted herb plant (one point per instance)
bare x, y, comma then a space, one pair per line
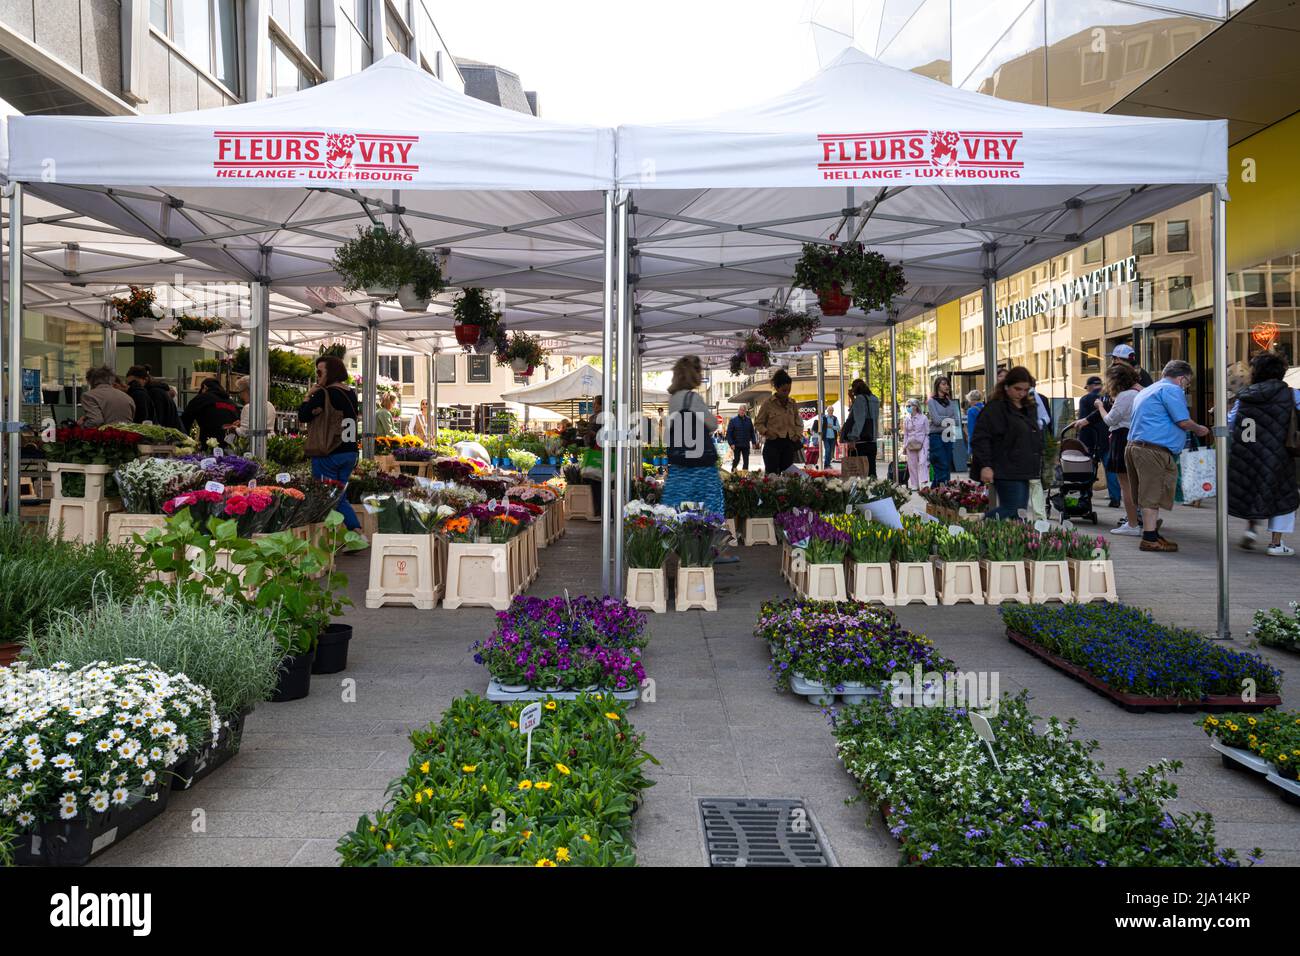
787, 329
376, 261
191, 329
848, 274
422, 280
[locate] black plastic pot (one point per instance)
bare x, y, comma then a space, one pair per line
295, 678
214, 752
332, 649
74, 842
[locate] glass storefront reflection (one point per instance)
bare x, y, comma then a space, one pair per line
1014, 68
922, 42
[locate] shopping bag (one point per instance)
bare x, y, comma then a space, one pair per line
856, 466
1198, 474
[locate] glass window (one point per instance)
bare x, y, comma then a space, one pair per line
158, 14
1144, 239
408, 368
396, 39
1177, 237
1180, 294
921, 42
1093, 251
285, 74
360, 15
1252, 286
1099, 51
1282, 290
1142, 292
1090, 355
478, 368
1014, 66
357, 49
446, 366
207, 30
299, 20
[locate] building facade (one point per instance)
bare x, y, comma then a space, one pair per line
1178, 58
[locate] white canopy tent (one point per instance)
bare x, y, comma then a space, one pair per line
581, 384
958, 187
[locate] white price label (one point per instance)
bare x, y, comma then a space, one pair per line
955, 529
208, 463
214, 486
282, 477
530, 717
252, 482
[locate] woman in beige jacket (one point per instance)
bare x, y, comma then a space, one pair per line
779, 425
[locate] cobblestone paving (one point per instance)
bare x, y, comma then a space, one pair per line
310, 768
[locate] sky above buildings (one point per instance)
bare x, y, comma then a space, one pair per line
607, 62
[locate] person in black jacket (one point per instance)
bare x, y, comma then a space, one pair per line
1261, 471
213, 410
137, 381
161, 401
1008, 443
740, 436
331, 379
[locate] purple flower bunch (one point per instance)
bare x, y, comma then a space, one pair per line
484, 513
698, 537
227, 469
583, 642
822, 542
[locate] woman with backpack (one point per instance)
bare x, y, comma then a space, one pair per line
330, 413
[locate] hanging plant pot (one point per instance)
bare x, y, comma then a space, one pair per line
485, 345
468, 334
779, 342
755, 359
833, 301
143, 326
194, 337
521, 367
379, 291
9, 653
409, 301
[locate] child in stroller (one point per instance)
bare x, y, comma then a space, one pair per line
1074, 475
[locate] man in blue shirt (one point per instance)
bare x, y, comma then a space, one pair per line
827, 433
740, 436
1156, 437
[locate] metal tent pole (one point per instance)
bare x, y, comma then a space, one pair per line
431, 396
259, 364
839, 358
369, 380
110, 347
15, 344
623, 379
607, 388
1219, 255
893, 394
990, 326
821, 408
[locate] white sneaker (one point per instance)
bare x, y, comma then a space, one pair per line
1128, 529
1281, 551
1248, 541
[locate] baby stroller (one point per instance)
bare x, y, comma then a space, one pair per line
1075, 473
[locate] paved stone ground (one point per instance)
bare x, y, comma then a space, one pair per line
309, 769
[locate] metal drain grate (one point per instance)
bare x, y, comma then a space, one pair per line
761, 832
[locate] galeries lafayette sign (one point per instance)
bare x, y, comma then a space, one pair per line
921, 154
314, 155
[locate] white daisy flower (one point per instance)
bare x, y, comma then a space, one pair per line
104, 745
13, 771
68, 811
141, 761
35, 762
31, 740
117, 735
72, 775
74, 738
120, 795
27, 789
155, 753
26, 819
99, 801
63, 760
149, 776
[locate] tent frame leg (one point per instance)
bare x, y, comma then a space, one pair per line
15, 344
1219, 264
607, 389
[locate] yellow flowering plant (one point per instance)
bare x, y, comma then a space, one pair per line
468, 799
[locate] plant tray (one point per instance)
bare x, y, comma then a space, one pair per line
1237, 759
1290, 788
497, 692
1136, 703
821, 695
195, 766
75, 842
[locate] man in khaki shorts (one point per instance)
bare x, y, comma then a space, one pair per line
1156, 437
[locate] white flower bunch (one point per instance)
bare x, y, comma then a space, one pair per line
640, 508
146, 483
74, 742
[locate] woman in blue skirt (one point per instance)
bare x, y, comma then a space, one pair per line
692, 455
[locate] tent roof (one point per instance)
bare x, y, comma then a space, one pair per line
928, 175
584, 382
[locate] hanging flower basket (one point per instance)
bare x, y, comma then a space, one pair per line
191, 329
485, 345
474, 307
144, 325
522, 352
755, 359
521, 366
833, 301
380, 262
138, 309
410, 301
468, 335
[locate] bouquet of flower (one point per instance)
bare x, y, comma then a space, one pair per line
491, 487
202, 505
93, 446
78, 743
288, 506
154, 434
523, 460
461, 528
227, 469
962, 546
532, 494
251, 509
1047, 545
826, 545
698, 538
320, 495
374, 482
648, 489
1003, 540
955, 495
870, 542
1085, 547
915, 542
454, 469
455, 497
1275, 627
146, 483
514, 519
404, 453
647, 540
